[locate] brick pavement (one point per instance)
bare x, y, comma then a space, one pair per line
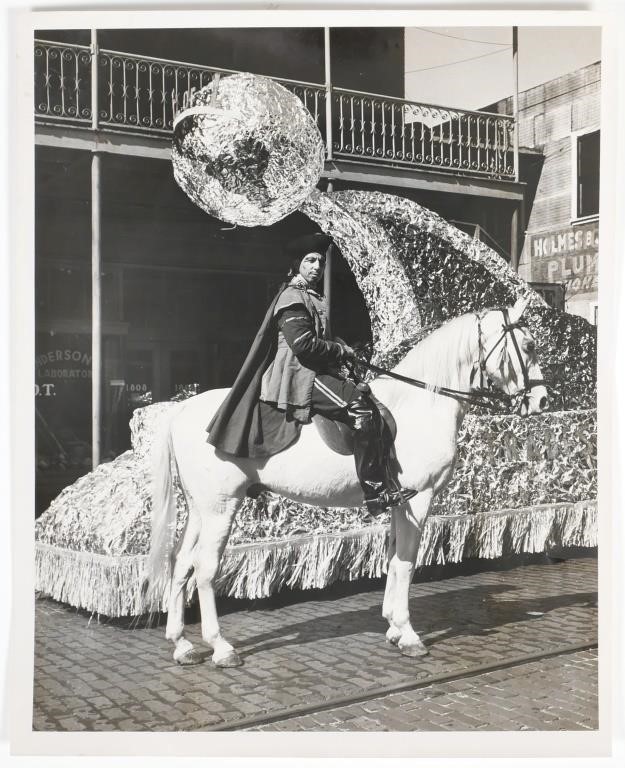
307, 649
556, 694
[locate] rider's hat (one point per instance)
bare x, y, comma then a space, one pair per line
318, 242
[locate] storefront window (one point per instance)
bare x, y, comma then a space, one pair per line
62, 410
139, 382
63, 394
588, 146
552, 293
185, 372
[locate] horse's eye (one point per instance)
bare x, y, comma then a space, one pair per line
530, 346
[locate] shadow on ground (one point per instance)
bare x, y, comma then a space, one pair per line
475, 612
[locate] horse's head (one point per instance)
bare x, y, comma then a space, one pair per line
508, 358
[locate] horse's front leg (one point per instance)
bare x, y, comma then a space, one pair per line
409, 522
393, 634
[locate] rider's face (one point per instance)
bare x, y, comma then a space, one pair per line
311, 267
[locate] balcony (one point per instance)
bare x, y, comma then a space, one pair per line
142, 95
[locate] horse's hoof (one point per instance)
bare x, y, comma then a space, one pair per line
392, 640
413, 651
393, 637
231, 659
191, 658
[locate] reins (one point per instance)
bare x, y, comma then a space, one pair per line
482, 397
479, 397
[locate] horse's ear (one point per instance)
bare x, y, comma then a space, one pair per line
519, 307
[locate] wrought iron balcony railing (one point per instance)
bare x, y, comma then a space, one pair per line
142, 94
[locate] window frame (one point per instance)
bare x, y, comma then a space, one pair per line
575, 136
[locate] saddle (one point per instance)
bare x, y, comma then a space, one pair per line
340, 438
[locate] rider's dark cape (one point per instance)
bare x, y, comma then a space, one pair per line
243, 425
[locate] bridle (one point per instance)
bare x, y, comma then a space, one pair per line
528, 384
483, 396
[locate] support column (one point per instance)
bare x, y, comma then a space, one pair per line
96, 263
96, 310
328, 84
522, 230
95, 115
327, 277
515, 97
514, 238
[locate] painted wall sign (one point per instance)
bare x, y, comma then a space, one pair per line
44, 390
65, 363
567, 256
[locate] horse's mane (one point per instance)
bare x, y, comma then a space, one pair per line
441, 357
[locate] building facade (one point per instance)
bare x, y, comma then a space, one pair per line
559, 134
181, 294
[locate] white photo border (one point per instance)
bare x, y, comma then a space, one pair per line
416, 746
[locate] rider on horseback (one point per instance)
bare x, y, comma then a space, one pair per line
299, 376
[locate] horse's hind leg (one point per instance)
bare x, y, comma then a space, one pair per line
214, 533
183, 565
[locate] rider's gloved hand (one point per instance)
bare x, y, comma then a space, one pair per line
348, 352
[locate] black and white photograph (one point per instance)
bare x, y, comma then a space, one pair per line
316, 312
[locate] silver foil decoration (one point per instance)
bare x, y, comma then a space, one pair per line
504, 462
413, 229
376, 264
416, 271
413, 268
251, 155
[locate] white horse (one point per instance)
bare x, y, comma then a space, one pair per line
489, 345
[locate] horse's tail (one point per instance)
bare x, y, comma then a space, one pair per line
158, 566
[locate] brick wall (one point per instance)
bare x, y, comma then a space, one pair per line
549, 115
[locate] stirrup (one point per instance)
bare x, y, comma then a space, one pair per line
389, 499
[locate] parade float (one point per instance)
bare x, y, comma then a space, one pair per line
247, 152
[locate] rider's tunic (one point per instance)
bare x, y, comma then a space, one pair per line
289, 374
303, 353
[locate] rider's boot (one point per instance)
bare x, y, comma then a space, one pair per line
381, 492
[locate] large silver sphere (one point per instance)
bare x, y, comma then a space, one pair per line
251, 155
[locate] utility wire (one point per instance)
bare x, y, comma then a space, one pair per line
460, 61
455, 37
